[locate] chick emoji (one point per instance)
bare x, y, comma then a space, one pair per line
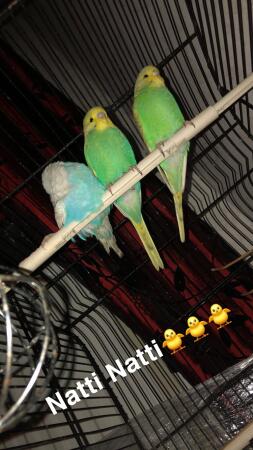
196, 328
219, 315
173, 341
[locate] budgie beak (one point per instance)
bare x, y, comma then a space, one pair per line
156, 79
101, 115
102, 121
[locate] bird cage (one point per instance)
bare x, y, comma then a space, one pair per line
25, 350
58, 59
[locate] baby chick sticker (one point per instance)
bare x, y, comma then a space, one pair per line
173, 341
219, 315
196, 328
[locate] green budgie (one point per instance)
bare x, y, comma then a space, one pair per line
158, 117
109, 154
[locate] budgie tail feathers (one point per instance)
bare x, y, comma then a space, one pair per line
105, 235
178, 198
180, 215
148, 244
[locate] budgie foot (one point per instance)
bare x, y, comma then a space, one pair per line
244, 255
247, 293
109, 187
201, 337
189, 122
138, 170
3, 288
46, 239
224, 325
160, 148
178, 350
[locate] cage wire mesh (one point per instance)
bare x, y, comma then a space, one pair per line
24, 351
89, 53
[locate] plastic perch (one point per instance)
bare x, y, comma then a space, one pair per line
162, 152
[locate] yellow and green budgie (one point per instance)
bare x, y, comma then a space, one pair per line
109, 154
158, 117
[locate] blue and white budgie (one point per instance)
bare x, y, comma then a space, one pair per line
75, 192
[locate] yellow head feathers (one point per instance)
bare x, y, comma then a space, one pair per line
148, 76
96, 118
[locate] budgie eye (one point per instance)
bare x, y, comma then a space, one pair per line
91, 119
145, 76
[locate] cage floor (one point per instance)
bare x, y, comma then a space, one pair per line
123, 438
206, 417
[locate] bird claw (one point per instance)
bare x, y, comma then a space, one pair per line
189, 122
46, 239
234, 261
162, 151
109, 187
247, 293
138, 170
3, 287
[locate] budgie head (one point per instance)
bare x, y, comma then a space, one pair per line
149, 76
96, 119
55, 181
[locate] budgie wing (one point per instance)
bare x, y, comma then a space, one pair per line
136, 117
187, 331
210, 319
60, 213
138, 122
109, 155
85, 193
56, 184
166, 181
227, 310
164, 344
174, 169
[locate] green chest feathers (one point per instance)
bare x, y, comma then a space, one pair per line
109, 154
157, 114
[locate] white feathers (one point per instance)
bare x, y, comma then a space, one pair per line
105, 235
55, 182
59, 213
